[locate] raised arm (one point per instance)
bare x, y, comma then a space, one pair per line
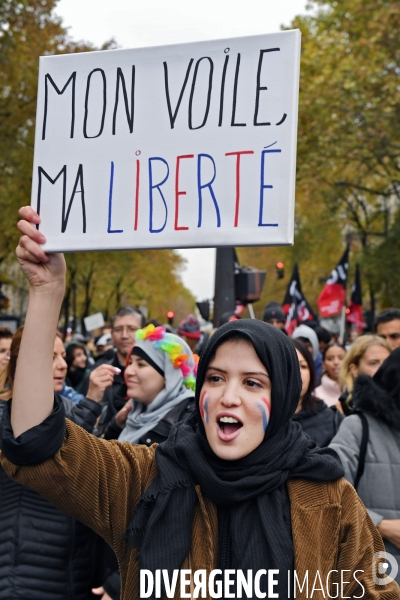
97, 482
33, 395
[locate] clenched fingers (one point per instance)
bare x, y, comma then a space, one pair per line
27, 228
31, 247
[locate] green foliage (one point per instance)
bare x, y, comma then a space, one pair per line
29, 29
349, 136
348, 155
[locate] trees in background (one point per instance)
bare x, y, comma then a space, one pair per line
104, 281
97, 281
348, 157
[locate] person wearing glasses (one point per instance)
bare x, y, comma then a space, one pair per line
387, 326
106, 381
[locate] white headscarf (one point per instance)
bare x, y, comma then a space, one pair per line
144, 417
309, 334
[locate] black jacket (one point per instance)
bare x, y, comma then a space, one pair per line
320, 424
44, 554
110, 431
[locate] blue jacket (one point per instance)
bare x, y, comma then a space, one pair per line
70, 393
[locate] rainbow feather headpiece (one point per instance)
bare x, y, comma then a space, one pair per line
163, 340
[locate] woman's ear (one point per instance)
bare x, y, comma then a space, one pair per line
353, 370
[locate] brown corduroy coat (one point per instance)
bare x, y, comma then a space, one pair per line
100, 482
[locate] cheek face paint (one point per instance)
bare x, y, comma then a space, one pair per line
205, 406
204, 400
265, 408
263, 411
267, 404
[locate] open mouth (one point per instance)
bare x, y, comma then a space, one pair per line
228, 428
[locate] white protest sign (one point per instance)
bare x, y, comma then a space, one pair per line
178, 146
93, 322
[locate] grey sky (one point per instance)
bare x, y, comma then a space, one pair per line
156, 22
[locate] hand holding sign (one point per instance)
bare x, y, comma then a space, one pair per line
41, 270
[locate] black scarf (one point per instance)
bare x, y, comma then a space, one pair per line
379, 396
251, 492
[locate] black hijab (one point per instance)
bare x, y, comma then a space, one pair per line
250, 493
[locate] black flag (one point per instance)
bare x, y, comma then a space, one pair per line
295, 306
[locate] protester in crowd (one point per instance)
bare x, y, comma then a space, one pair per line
310, 339
364, 357
5, 342
160, 394
387, 325
106, 330
103, 345
368, 444
273, 314
60, 368
189, 330
109, 372
124, 324
231, 486
317, 420
332, 358
324, 337
86, 341
43, 552
76, 359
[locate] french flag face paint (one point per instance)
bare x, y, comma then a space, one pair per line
204, 401
264, 407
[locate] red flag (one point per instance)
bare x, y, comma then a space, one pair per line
333, 297
355, 315
295, 306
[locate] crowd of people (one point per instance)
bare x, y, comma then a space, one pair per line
251, 425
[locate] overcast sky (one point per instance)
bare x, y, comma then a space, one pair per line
134, 23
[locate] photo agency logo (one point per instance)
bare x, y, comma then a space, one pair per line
384, 568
